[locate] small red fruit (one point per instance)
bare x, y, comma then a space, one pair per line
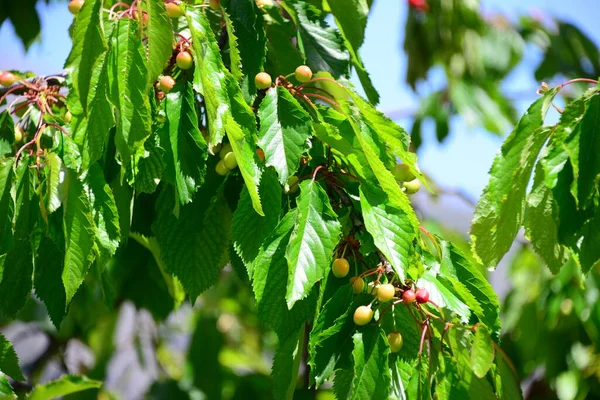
261, 154
7, 79
262, 80
184, 60
174, 10
420, 5
303, 73
363, 315
74, 6
409, 296
385, 292
422, 296
166, 83
395, 340
340, 267
358, 284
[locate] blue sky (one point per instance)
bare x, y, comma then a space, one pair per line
461, 162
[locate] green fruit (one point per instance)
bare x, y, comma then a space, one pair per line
358, 284
18, 134
340, 267
226, 149
166, 83
292, 184
221, 168
74, 6
68, 117
303, 73
230, 161
363, 315
395, 340
174, 10
412, 187
385, 292
184, 60
214, 4
403, 173
262, 80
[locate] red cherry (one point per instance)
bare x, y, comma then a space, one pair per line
409, 296
420, 5
422, 295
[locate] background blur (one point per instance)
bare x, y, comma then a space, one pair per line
145, 351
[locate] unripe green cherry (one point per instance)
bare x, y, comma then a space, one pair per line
7, 79
292, 183
395, 340
262, 80
225, 149
363, 315
68, 117
221, 168
403, 173
18, 134
74, 6
230, 161
385, 292
166, 83
412, 187
303, 73
184, 60
174, 10
340, 267
358, 284
214, 4
263, 3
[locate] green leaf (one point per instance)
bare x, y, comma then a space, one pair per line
285, 366
487, 307
499, 212
390, 227
269, 283
351, 18
91, 133
235, 60
419, 385
129, 92
507, 381
9, 363
104, 211
371, 378
590, 251
541, 217
443, 293
54, 195
315, 235
65, 385
248, 229
160, 39
192, 245
285, 130
588, 179
48, 280
225, 105
482, 352
7, 205
88, 45
78, 228
185, 148
323, 47
282, 56
16, 277
6, 391
151, 166
248, 25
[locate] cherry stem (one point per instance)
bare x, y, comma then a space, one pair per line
10, 91
323, 98
425, 326
387, 308
579, 80
314, 176
184, 39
